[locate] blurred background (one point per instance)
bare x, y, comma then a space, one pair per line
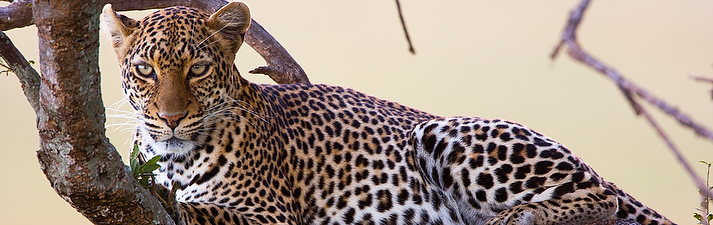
475, 58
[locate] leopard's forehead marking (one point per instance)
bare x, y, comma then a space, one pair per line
170, 37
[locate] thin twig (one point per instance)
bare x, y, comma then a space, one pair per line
629, 89
676, 152
702, 79
403, 24
705, 203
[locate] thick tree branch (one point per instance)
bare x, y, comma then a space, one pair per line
28, 76
75, 155
281, 67
629, 89
17, 14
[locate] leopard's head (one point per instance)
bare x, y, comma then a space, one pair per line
177, 68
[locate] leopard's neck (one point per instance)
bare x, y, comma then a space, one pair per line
244, 143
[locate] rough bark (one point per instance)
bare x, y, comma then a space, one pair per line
17, 14
77, 158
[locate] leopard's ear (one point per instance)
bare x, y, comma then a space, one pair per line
231, 21
118, 26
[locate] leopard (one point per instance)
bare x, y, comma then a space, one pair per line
238, 152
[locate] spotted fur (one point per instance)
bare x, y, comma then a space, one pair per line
245, 153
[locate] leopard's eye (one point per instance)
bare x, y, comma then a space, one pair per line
198, 70
144, 70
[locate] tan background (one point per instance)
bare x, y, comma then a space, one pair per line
474, 58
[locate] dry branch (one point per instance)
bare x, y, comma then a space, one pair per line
403, 24
629, 89
281, 67
702, 79
569, 38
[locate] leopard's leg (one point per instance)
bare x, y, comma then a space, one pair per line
589, 209
631, 209
194, 213
502, 172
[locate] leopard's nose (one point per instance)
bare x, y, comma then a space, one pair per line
172, 120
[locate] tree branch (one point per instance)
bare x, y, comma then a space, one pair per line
281, 67
629, 89
17, 14
28, 76
75, 155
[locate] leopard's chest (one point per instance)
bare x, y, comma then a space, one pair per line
347, 179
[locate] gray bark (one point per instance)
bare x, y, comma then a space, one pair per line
75, 155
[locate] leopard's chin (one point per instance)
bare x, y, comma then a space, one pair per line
175, 146
172, 146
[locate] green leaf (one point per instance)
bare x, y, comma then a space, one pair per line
148, 168
142, 172
135, 152
154, 160
697, 216
134, 161
134, 167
